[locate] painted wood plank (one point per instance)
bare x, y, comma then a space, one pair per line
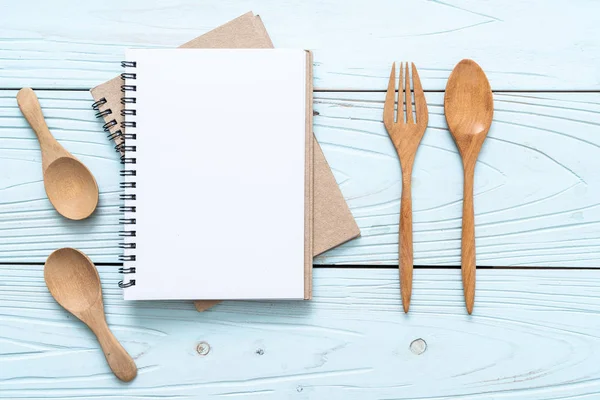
531, 45
537, 186
533, 335
30, 228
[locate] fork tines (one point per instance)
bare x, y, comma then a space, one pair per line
405, 97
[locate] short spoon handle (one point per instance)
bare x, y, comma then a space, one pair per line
406, 240
468, 239
119, 361
32, 111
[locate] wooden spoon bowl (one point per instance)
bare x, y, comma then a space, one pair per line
70, 186
73, 281
65, 268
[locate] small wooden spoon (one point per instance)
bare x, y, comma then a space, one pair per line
469, 108
70, 186
74, 283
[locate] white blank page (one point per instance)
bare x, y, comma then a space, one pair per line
220, 169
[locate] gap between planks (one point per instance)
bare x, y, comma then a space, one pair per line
370, 266
345, 90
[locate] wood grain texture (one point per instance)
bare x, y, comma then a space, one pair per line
70, 186
538, 44
406, 132
538, 207
469, 108
536, 184
351, 341
30, 227
534, 335
73, 280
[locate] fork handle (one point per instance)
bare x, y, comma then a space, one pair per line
405, 240
468, 262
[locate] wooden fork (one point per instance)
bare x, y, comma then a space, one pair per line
406, 134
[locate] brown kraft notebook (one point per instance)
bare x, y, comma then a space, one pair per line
333, 223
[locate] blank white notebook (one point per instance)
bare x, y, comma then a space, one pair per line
215, 178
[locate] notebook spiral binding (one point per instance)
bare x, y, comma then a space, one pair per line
110, 124
126, 146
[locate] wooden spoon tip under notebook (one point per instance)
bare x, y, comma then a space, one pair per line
469, 108
73, 281
70, 186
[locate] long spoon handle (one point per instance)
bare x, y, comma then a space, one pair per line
119, 361
32, 111
405, 240
468, 239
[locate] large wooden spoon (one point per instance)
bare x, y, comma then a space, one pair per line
74, 283
469, 107
70, 186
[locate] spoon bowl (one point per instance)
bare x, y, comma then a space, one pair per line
469, 109
70, 186
73, 281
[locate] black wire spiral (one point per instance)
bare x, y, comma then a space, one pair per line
128, 157
110, 123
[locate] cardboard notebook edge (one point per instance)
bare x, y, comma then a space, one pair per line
308, 181
332, 222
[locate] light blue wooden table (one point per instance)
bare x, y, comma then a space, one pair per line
535, 331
